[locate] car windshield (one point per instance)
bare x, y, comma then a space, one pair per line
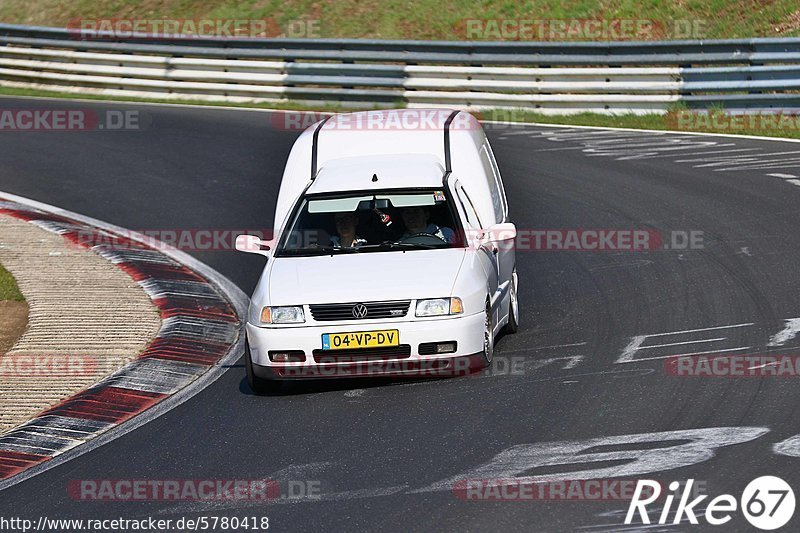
367, 222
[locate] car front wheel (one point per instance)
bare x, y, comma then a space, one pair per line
513, 305
488, 337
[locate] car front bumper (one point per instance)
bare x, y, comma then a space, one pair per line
466, 331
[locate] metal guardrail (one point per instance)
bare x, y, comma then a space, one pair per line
605, 77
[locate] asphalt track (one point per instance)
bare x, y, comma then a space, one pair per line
379, 449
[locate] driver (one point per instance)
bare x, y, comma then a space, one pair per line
346, 223
416, 221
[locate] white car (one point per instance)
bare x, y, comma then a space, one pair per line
393, 252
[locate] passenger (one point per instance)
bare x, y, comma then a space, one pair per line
346, 223
416, 221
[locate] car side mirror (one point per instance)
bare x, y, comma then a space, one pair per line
251, 244
501, 232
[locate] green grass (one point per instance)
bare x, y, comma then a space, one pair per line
647, 122
429, 19
8, 287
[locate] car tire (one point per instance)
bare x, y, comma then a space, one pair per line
512, 326
488, 337
257, 385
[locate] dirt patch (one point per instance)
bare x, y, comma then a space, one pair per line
13, 320
791, 24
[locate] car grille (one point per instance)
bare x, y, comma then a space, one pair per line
362, 354
331, 312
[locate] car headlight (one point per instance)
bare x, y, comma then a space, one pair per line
292, 314
439, 307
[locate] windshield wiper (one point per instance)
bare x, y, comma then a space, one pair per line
401, 245
320, 250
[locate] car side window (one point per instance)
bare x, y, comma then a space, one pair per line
498, 181
497, 200
469, 208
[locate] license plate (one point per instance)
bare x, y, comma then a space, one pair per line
361, 339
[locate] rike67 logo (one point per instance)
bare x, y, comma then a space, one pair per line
767, 503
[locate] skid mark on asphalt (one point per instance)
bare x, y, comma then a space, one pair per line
523, 361
466, 387
301, 471
618, 517
554, 346
616, 527
569, 362
633, 263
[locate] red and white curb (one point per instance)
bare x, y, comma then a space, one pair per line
200, 336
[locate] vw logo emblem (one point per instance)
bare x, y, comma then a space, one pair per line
359, 311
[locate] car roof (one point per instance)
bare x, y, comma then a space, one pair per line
396, 171
420, 120
391, 131
382, 134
